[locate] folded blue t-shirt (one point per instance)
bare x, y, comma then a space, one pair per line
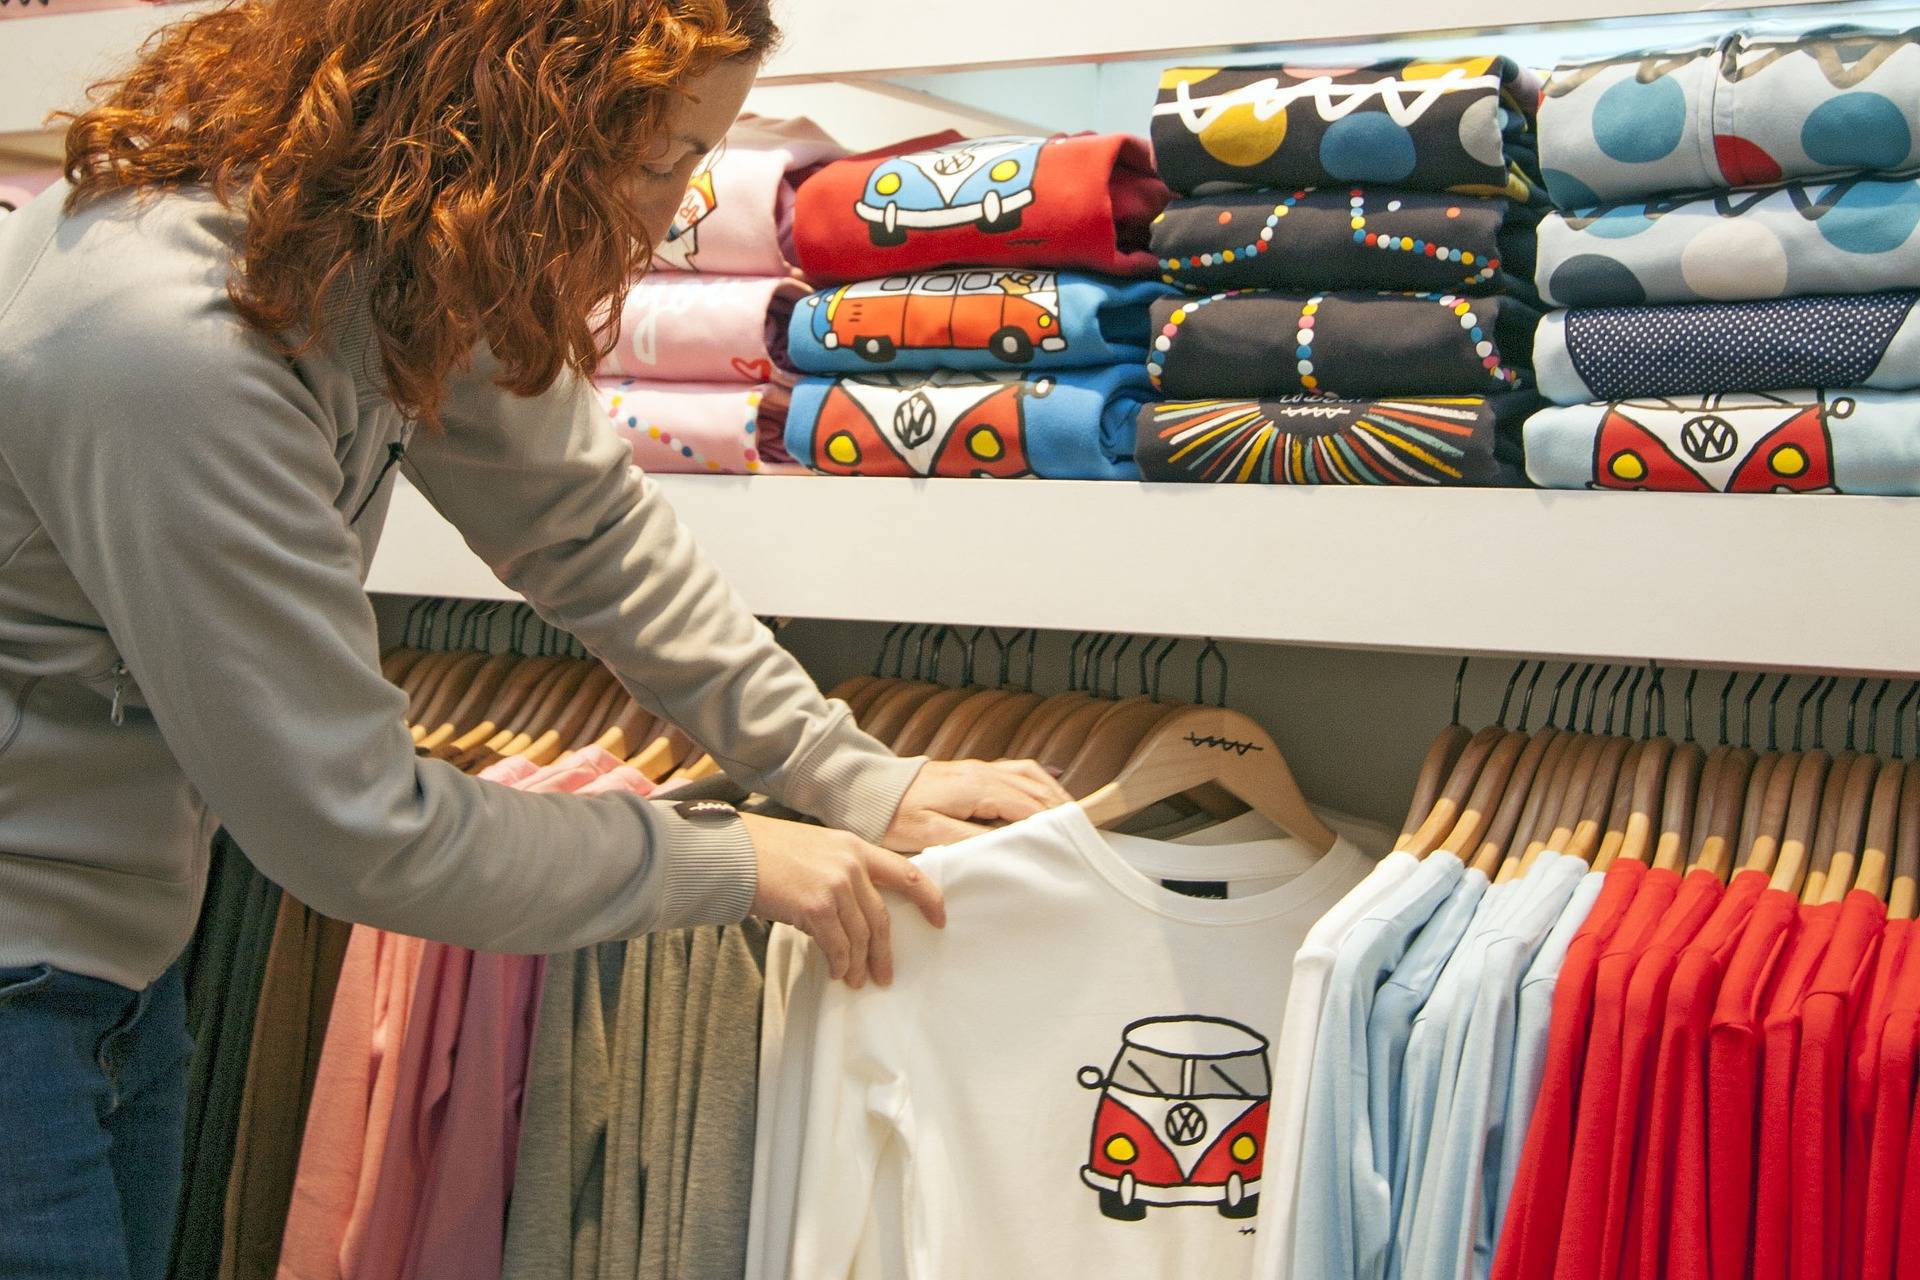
1076, 424
989, 318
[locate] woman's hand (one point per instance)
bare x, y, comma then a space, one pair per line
827, 884
949, 797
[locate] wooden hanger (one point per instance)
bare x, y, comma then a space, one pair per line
1537, 755
1211, 745
1883, 830
1806, 778
557, 694
1903, 896
481, 686
601, 717
1679, 790
1468, 837
511, 726
631, 729
961, 722
1707, 795
1565, 803
1649, 772
1717, 844
571, 718
1826, 831
1111, 742
447, 694
1535, 811
1753, 806
670, 748
1584, 840
1447, 806
515, 691
1849, 838
1435, 769
991, 737
929, 714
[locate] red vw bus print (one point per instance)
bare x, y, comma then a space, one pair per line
944, 423
1182, 1118
1011, 314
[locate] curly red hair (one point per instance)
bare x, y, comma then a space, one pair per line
465, 157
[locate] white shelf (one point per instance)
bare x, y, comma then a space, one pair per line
1775, 582
838, 38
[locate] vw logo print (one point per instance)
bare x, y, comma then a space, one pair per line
913, 421
1185, 1124
1709, 438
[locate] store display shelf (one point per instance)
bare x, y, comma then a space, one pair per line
1776, 582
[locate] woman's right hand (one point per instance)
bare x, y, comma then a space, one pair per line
827, 884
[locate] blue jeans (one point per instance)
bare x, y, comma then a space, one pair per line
93, 1101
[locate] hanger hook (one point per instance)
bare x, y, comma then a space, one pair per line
886, 642
1820, 712
1693, 678
1853, 711
1073, 658
1459, 679
1526, 699
1593, 703
1746, 722
1160, 664
1900, 718
1033, 642
1212, 647
1873, 715
1507, 697
1773, 713
1119, 653
1800, 711
1553, 709
1657, 688
1147, 688
1633, 693
1613, 697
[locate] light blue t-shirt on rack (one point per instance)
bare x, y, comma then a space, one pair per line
1452, 1233
1336, 1149
1424, 1066
1389, 1026
1533, 1018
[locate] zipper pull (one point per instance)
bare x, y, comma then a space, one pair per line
119, 712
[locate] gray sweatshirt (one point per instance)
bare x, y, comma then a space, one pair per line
186, 520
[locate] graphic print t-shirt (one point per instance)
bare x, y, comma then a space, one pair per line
1073, 1078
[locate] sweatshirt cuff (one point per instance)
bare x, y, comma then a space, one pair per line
850, 781
710, 871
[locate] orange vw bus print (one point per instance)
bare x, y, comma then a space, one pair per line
1182, 1118
945, 423
1011, 314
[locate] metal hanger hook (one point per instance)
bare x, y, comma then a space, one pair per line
1526, 699
1553, 708
1507, 697
1593, 703
1900, 719
1773, 714
1613, 697
1459, 679
1693, 678
1800, 712
1873, 715
1820, 713
1212, 647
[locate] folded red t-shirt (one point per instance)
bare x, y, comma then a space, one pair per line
1085, 201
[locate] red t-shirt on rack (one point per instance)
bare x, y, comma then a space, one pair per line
1906, 1245
1780, 1058
1529, 1236
1672, 1162
1890, 1178
1696, 908
1732, 1098
1820, 1084
1863, 1082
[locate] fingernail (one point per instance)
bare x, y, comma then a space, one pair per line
1055, 771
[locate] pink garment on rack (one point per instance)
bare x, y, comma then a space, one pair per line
677, 327
737, 216
18, 188
701, 428
454, 1132
345, 1141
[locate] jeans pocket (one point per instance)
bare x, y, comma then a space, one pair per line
23, 981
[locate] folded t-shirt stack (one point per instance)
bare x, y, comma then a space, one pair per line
699, 379
991, 322
1362, 241
1761, 337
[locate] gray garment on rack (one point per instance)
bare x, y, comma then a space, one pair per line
553, 1222
636, 1151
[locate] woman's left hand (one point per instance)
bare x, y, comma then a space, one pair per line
950, 798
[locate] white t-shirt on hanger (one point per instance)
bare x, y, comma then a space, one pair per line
1072, 1078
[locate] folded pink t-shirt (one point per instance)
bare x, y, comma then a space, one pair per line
737, 216
676, 327
701, 428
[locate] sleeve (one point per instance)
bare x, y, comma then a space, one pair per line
545, 492
206, 538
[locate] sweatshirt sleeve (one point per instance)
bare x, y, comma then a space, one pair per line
545, 492
201, 526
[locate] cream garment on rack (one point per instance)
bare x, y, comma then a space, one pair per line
939, 1129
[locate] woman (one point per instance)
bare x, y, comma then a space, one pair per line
305, 241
